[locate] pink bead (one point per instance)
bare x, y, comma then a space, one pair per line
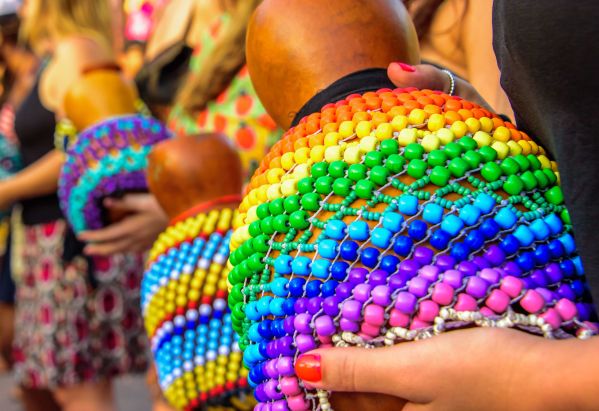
290, 386
442, 294
362, 292
490, 275
428, 310
305, 343
532, 302
352, 310
374, 315
298, 403
381, 295
512, 286
370, 330
552, 318
465, 303
498, 301
429, 272
566, 309
325, 326
419, 324
487, 312
301, 323
348, 325
398, 319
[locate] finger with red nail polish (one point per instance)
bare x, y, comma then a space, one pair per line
307, 368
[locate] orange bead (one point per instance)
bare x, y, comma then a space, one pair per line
397, 111
424, 100
329, 128
478, 113
467, 105
361, 116
275, 163
497, 122
369, 94
344, 116
432, 109
302, 142
453, 105
315, 140
465, 113
378, 118
388, 103
437, 99
516, 136
411, 105
288, 146
403, 97
451, 117
373, 103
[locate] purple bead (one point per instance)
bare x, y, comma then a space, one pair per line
477, 287
423, 255
406, 302
539, 278
270, 389
397, 281
260, 394
300, 305
419, 286
377, 277
547, 295
468, 268
288, 324
280, 406
285, 366
302, 323
357, 275
529, 283
314, 305
270, 369
481, 262
352, 310
454, 278
565, 291
330, 306
381, 295
305, 343
511, 268
445, 262
272, 349
325, 326
584, 312
409, 268
344, 290
429, 272
490, 275
348, 325
285, 346
495, 255
362, 292
554, 273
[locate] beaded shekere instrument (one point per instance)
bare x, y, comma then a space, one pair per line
104, 160
395, 216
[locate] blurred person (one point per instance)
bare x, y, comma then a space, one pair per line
79, 316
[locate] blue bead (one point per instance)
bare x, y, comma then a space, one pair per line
349, 250
433, 213
489, 228
470, 214
257, 374
277, 328
524, 236
578, 264
251, 311
418, 230
540, 230
381, 237
403, 245
408, 204
555, 223
506, 218
296, 286
510, 244
440, 239
542, 254
278, 286
327, 248
452, 224
262, 350
301, 265
335, 229
359, 231
525, 261
484, 203
313, 288
321, 269
578, 288
389, 263
556, 249
460, 251
264, 305
264, 329
370, 257
568, 242
276, 306
339, 270
283, 264
393, 221
289, 306
329, 287
475, 240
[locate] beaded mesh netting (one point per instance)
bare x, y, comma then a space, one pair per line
105, 160
184, 304
395, 216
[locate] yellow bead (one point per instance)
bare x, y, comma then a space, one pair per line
459, 128
301, 155
526, 147
384, 131
473, 124
407, 136
274, 192
274, 175
289, 187
535, 148
253, 197
399, 123
502, 133
252, 215
363, 129
502, 149
346, 129
317, 154
486, 124
301, 171
352, 154
515, 148
287, 161
332, 154
554, 166
545, 163
331, 139
445, 135
436, 122
368, 144
430, 142
482, 139
417, 116
262, 196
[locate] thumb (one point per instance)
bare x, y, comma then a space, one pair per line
129, 202
422, 76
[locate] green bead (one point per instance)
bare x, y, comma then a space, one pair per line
236, 295
324, 185
266, 225
458, 167
440, 176
535, 164
281, 223
379, 175
417, 168
389, 147
238, 312
565, 216
374, 158
513, 185
247, 248
413, 151
263, 211
299, 220
291, 204
555, 195
255, 262
437, 158
491, 172
342, 186
395, 163
255, 228
260, 243
364, 189
488, 153
357, 172
509, 166
522, 161
453, 150
473, 159
541, 178
529, 180
337, 169
311, 202
550, 175
276, 207
468, 143
305, 185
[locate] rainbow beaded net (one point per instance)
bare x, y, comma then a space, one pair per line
106, 160
394, 216
184, 304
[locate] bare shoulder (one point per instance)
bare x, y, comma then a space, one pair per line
83, 52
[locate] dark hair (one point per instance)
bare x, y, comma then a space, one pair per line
9, 35
423, 12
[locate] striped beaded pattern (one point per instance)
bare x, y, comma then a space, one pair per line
184, 294
393, 216
106, 160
